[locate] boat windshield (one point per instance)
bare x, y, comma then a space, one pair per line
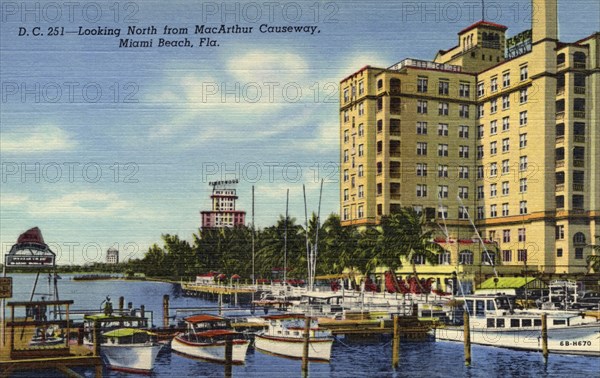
503, 303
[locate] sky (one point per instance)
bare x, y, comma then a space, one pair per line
106, 146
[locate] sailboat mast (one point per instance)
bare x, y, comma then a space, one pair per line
306, 233
253, 273
316, 249
287, 199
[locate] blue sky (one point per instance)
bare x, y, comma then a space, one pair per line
104, 146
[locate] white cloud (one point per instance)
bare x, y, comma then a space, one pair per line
12, 200
43, 138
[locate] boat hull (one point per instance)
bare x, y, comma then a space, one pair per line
318, 349
214, 351
132, 357
581, 340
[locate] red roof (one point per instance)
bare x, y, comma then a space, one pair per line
216, 332
203, 318
284, 316
483, 23
33, 235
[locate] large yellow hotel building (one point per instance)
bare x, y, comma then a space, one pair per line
511, 126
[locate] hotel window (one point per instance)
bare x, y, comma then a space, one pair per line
361, 108
505, 188
493, 106
379, 189
361, 171
505, 79
421, 148
480, 194
505, 124
522, 235
465, 257
523, 185
422, 84
345, 156
422, 128
480, 212
494, 84
443, 87
346, 95
463, 192
463, 131
493, 148
524, 73
523, 140
421, 169
492, 235
346, 196
578, 253
464, 90
493, 211
346, 136
443, 108
559, 252
352, 182
443, 212
480, 111
560, 232
463, 212
480, 131
361, 191
505, 102
442, 150
463, 111
493, 127
493, 190
463, 172
361, 87
379, 125
523, 118
480, 172
353, 162
346, 213
442, 171
361, 150
506, 236
523, 96
442, 191
505, 145
505, 166
506, 255
442, 129
463, 151
479, 152
523, 163
480, 89
523, 207
505, 209
421, 190
346, 175
421, 107
522, 255
361, 212
361, 129
346, 116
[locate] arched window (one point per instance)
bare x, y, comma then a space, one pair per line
579, 59
395, 85
560, 59
465, 257
444, 258
488, 258
579, 238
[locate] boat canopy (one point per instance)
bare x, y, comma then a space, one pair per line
203, 318
126, 332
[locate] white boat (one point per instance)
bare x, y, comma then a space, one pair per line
494, 322
129, 349
206, 338
285, 337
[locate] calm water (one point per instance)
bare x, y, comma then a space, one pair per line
350, 358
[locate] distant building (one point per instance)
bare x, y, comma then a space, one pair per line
112, 256
223, 213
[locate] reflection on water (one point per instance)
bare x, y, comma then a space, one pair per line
350, 358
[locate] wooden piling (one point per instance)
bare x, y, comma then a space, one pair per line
143, 315
97, 337
228, 357
166, 310
220, 304
467, 335
306, 344
121, 304
396, 344
545, 336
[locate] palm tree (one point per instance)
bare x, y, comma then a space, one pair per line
594, 260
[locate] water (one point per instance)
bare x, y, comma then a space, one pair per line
365, 358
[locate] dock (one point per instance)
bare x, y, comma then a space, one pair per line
410, 327
191, 288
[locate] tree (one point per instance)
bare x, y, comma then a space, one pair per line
593, 260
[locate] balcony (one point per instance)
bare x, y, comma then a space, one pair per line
560, 115
560, 91
579, 90
559, 163
580, 65
579, 138
579, 114
395, 196
579, 163
578, 187
560, 139
560, 66
560, 187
